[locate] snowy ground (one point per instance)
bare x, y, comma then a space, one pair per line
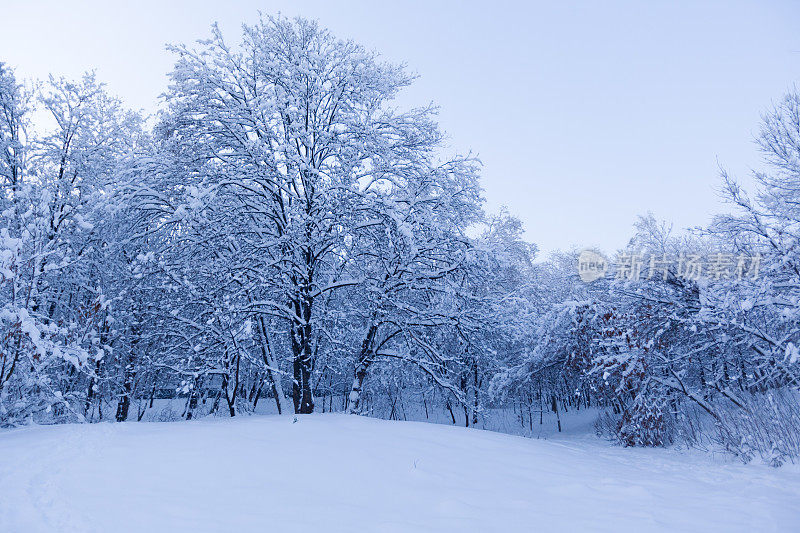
346, 473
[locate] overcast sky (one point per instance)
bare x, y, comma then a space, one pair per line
585, 114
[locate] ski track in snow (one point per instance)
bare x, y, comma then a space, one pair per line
342, 473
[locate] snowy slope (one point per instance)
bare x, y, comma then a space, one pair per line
346, 473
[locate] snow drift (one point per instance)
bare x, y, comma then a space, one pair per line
348, 473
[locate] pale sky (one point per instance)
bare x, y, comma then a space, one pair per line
585, 114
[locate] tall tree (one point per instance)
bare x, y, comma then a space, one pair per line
293, 132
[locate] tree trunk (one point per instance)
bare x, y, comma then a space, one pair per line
361, 371
193, 399
450, 408
90, 393
477, 385
302, 365
124, 403
271, 365
555, 410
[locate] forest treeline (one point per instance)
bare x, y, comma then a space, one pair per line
283, 232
